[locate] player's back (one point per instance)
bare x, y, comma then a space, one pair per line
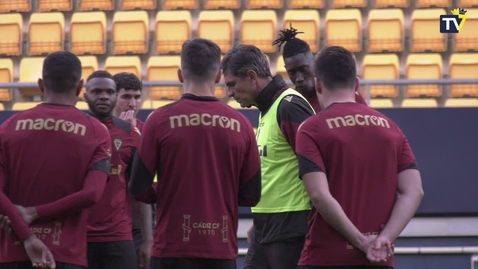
47, 151
203, 145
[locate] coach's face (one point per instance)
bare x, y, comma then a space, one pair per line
243, 90
101, 96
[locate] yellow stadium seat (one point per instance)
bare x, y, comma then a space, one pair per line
343, 27
461, 102
89, 64
117, 64
381, 67
232, 103
467, 39
11, 29
306, 21
419, 103
348, 3
54, 5
463, 66
467, 3
20, 106
269, 4
46, 33
220, 92
88, 33
164, 68
280, 68
381, 103
180, 4
424, 33
130, 32
391, 3
173, 28
424, 66
259, 28
306, 4
225, 4
433, 3
138, 4
386, 30
153, 104
30, 71
2, 107
218, 26
15, 5
82, 105
6, 75
87, 5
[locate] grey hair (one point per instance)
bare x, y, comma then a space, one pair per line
242, 58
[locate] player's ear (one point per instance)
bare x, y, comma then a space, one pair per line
79, 86
251, 74
180, 75
357, 84
218, 76
41, 85
318, 87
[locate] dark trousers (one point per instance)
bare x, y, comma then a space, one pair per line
344, 267
178, 263
112, 255
277, 255
28, 265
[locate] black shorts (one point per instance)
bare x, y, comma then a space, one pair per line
112, 255
28, 265
137, 239
183, 263
344, 267
277, 255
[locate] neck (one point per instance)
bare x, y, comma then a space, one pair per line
261, 85
199, 89
60, 99
337, 96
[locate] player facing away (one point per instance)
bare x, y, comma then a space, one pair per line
280, 218
197, 198
299, 64
128, 87
54, 164
110, 223
353, 160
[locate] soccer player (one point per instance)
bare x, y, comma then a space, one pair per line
110, 223
206, 158
128, 87
54, 164
280, 218
299, 64
353, 160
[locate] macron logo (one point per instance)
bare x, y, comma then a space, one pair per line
204, 119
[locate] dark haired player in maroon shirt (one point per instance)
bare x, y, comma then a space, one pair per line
207, 160
110, 223
353, 160
54, 163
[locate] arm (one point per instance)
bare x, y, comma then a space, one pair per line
250, 178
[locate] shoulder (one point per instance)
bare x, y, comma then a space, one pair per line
294, 103
121, 124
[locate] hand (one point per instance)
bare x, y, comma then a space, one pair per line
129, 117
380, 250
144, 255
367, 242
5, 224
250, 232
39, 254
29, 214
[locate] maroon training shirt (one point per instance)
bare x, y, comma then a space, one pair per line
361, 151
314, 101
46, 153
111, 220
207, 160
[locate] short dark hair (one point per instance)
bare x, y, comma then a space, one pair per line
243, 58
99, 74
293, 45
200, 59
335, 67
61, 71
127, 81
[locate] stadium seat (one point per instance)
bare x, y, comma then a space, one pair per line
468, 37
173, 28
82, 105
220, 92
2, 107
433, 3
424, 66
88, 33
386, 30
306, 4
15, 6
266, 4
164, 68
425, 34
259, 28
419, 103
381, 103
463, 66
391, 3
180, 4
153, 104
381, 67
138, 4
306, 21
343, 27
54, 5
11, 27
30, 71
20, 106
280, 68
348, 3
46, 33
218, 26
117, 64
87, 5
222, 4
130, 32
6, 75
461, 102
467, 3
89, 64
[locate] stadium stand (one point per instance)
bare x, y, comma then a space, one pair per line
172, 29
54, 5
422, 38
259, 27
467, 3
468, 38
46, 33
424, 66
6, 75
343, 27
266, 4
222, 4
87, 5
19, 106
15, 6
11, 27
117, 64
461, 102
348, 3
386, 30
432, 3
306, 4
218, 26
280, 68
89, 65
419, 103
88, 33
138, 4
391, 3
153, 104
163, 68
136, 25
464, 66
180, 4
381, 103
308, 22
381, 67
30, 71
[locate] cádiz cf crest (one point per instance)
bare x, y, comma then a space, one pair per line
117, 143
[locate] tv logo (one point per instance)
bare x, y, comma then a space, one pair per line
453, 23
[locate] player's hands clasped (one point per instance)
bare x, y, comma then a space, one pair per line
39, 254
380, 250
129, 117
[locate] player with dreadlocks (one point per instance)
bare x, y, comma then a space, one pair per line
299, 64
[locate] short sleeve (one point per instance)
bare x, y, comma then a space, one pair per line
101, 157
406, 158
307, 149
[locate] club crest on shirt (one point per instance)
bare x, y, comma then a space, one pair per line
117, 143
